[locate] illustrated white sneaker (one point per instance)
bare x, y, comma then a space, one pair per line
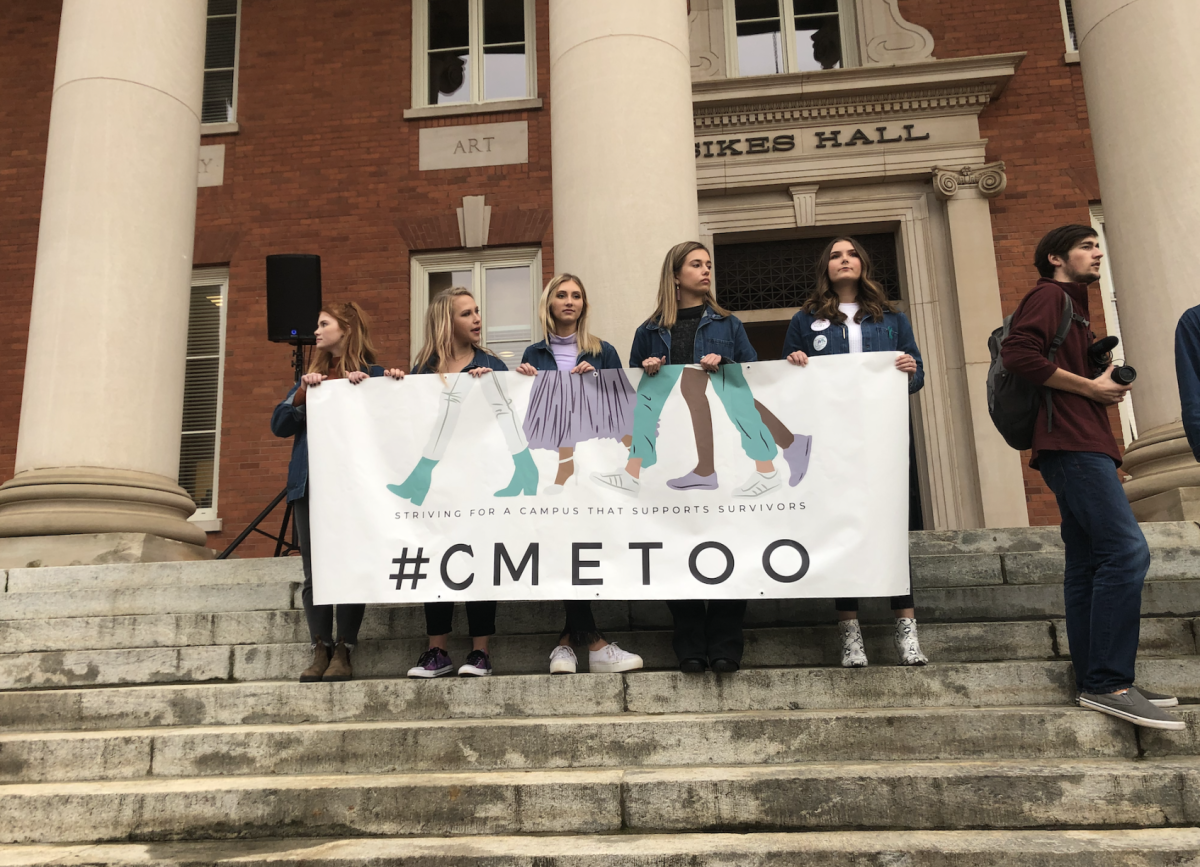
854, 655
555, 489
562, 660
759, 484
610, 659
907, 645
618, 480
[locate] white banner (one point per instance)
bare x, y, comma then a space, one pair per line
422, 490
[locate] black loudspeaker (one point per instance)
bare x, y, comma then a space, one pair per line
293, 297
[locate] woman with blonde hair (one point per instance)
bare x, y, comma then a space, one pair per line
343, 351
848, 311
452, 329
581, 393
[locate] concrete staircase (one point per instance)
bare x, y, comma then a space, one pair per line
149, 715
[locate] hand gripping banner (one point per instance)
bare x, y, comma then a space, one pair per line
761, 480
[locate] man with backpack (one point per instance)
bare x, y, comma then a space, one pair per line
1074, 449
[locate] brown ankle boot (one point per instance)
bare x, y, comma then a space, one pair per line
339, 666
320, 663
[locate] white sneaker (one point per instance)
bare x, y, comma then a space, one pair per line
907, 646
618, 480
562, 660
759, 484
610, 659
854, 655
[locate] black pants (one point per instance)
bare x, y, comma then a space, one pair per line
898, 603
709, 633
320, 617
581, 625
481, 618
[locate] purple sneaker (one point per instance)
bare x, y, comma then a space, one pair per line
434, 662
478, 665
797, 455
693, 482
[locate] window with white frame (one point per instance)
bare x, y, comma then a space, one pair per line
766, 37
507, 284
220, 63
472, 51
1068, 21
200, 445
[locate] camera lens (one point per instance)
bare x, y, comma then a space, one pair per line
1124, 374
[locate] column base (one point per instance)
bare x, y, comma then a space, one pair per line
91, 549
1166, 477
68, 501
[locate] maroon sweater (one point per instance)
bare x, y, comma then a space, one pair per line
1080, 425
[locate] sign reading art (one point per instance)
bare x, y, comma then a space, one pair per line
759, 481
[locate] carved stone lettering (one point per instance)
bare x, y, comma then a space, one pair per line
484, 144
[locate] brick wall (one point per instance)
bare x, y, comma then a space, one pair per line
1039, 128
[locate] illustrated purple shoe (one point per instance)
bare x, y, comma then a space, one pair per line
797, 455
434, 662
693, 482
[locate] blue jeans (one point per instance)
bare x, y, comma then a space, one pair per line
1107, 560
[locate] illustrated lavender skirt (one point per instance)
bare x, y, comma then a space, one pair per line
567, 409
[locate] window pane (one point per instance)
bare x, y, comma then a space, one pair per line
440, 280
818, 43
508, 319
504, 72
503, 21
815, 7
760, 48
449, 24
746, 9
196, 465
220, 42
449, 77
218, 97
222, 7
200, 394
204, 321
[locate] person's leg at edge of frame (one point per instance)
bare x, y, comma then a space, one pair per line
481, 623
1119, 558
688, 640
854, 654
723, 628
349, 619
318, 617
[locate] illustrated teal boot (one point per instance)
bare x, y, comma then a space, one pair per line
525, 476
416, 486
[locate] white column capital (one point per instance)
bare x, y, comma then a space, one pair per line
989, 180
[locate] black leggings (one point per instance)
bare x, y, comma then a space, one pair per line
320, 617
899, 603
481, 618
708, 630
581, 625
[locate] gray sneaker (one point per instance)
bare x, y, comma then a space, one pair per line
1132, 707
1158, 699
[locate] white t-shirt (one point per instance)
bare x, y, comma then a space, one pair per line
853, 329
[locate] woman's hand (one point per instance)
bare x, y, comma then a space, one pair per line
479, 371
311, 380
906, 363
582, 367
711, 362
394, 373
356, 376
798, 358
651, 365
527, 369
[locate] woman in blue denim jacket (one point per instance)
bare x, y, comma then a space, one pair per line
849, 312
343, 349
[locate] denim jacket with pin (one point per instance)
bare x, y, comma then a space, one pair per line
716, 334
893, 334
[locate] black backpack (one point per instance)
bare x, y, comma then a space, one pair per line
1012, 400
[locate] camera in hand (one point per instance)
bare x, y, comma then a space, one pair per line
1100, 357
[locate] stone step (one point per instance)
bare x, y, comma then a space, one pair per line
529, 654
956, 685
165, 599
611, 741
1160, 847
1023, 794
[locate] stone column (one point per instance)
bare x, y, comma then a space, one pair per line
622, 151
98, 448
1138, 57
966, 192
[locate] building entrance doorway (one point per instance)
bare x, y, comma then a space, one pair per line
766, 282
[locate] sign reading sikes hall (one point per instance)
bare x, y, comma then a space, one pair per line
818, 139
